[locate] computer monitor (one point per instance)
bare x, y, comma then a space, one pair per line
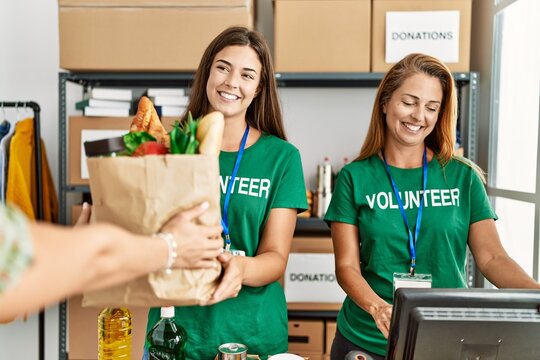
459, 324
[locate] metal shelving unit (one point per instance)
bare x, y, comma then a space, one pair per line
467, 84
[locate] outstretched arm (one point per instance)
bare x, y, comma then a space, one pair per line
71, 260
492, 259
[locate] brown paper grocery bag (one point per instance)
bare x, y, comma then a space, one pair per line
140, 194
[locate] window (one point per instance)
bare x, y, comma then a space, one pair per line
513, 159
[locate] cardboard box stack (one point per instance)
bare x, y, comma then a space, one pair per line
330, 333
306, 338
309, 280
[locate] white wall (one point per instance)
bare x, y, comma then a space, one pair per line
29, 72
29, 62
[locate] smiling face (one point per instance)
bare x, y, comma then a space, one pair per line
233, 81
413, 110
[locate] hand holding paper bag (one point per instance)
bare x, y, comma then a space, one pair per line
198, 245
141, 194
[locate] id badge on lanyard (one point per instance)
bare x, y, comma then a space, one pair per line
411, 279
408, 280
225, 217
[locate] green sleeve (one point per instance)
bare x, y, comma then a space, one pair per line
342, 207
481, 208
291, 193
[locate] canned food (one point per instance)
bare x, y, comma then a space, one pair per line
232, 351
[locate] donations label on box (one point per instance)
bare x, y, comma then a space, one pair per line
311, 278
435, 33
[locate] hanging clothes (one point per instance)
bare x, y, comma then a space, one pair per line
4, 159
4, 128
21, 180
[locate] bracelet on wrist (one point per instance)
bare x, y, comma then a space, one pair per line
172, 247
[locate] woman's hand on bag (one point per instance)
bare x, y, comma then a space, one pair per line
198, 245
231, 283
382, 314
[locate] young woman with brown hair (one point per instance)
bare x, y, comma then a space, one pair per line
262, 188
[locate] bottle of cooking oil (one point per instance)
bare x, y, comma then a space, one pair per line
114, 334
167, 339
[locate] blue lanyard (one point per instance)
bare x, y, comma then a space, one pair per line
412, 240
225, 218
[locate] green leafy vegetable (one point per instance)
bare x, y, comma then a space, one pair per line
183, 136
178, 139
133, 140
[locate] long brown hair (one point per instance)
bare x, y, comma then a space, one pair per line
443, 137
264, 113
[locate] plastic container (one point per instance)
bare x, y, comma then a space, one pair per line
167, 339
114, 334
104, 147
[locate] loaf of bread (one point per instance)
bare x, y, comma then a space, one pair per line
210, 133
146, 119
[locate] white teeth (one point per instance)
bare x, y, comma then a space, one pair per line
412, 127
228, 96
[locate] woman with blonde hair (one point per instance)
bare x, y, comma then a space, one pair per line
404, 212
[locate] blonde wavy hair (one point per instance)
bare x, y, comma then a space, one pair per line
442, 139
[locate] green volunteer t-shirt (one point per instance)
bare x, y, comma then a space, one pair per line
455, 198
270, 176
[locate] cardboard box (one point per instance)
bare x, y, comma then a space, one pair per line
378, 42
312, 244
306, 336
308, 249
312, 356
322, 35
143, 35
93, 128
311, 278
83, 332
330, 333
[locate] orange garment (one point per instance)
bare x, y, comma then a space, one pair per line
21, 188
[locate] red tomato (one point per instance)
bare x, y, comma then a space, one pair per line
150, 148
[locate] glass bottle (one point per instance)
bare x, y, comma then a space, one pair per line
114, 334
167, 339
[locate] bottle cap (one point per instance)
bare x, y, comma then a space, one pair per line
167, 311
